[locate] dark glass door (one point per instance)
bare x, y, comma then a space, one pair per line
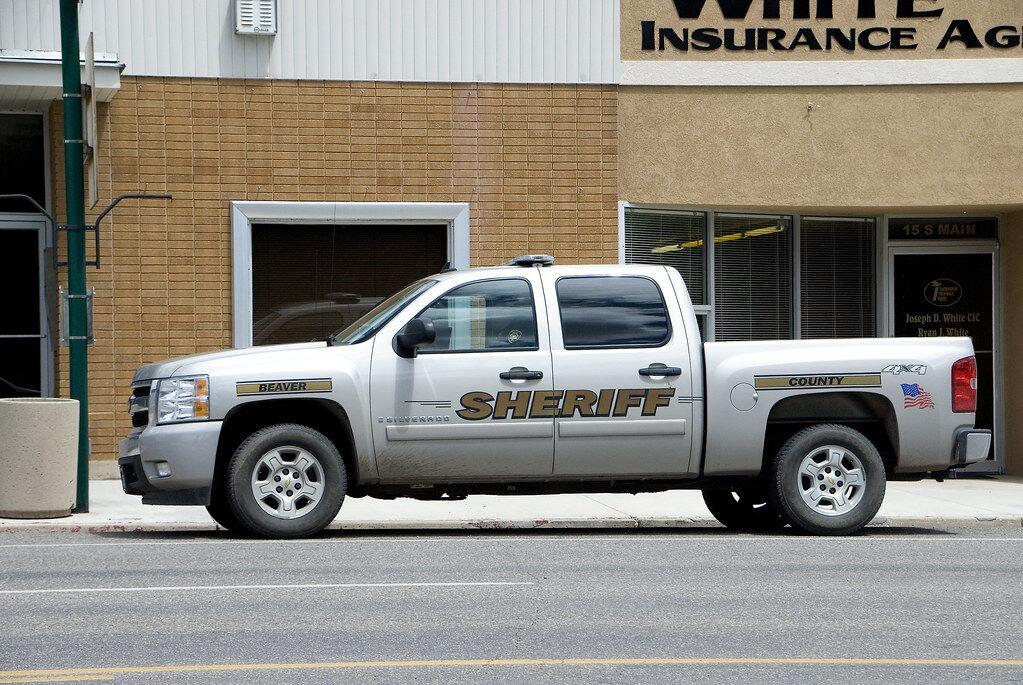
950, 294
21, 326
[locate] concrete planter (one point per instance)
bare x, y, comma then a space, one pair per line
38, 457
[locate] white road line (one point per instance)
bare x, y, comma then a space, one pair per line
301, 586
547, 536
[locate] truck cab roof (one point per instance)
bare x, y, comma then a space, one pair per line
546, 263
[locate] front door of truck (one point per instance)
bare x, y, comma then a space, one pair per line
622, 362
469, 406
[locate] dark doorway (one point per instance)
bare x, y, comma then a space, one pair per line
22, 162
951, 293
24, 368
21, 327
310, 281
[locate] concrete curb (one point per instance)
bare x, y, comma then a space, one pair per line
590, 524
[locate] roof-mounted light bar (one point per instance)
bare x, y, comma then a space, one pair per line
531, 260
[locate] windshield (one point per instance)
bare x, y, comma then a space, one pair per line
368, 324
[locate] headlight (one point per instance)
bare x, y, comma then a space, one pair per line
183, 399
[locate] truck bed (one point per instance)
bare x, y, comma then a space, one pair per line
751, 385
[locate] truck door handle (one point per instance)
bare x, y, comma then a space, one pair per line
521, 373
660, 370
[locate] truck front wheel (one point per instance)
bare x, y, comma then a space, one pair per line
745, 509
285, 481
220, 511
828, 480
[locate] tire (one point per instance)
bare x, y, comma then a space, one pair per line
220, 511
828, 480
746, 509
299, 474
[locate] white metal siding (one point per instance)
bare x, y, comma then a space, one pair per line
515, 41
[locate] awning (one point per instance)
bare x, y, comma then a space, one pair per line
31, 79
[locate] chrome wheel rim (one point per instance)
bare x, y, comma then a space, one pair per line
287, 482
831, 480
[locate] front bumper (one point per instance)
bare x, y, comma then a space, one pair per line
184, 453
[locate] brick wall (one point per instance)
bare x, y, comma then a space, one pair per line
537, 163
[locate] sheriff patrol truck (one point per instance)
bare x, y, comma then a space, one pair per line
531, 378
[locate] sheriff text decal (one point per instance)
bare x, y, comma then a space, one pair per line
539, 404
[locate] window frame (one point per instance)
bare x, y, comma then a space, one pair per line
532, 301
669, 333
246, 213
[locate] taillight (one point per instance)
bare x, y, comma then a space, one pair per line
964, 386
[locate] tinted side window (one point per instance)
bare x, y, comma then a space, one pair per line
612, 311
484, 316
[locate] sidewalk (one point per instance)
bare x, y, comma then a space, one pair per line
994, 500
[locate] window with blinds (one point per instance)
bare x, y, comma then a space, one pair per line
752, 277
754, 295
669, 238
837, 277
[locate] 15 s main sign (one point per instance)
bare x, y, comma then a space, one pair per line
899, 34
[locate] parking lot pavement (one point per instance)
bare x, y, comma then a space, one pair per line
917, 604
975, 499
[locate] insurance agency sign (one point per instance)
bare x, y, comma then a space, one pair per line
825, 26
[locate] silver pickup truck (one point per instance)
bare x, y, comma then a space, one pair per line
531, 378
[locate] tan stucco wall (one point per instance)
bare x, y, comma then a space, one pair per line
858, 148
929, 31
536, 163
1012, 340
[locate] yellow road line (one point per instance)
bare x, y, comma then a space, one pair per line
56, 679
56, 675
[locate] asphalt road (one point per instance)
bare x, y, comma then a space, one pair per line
698, 605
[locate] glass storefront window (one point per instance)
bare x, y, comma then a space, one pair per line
837, 281
669, 238
752, 277
755, 269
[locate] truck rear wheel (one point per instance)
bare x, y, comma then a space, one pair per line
285, 481
745, 509
828, 480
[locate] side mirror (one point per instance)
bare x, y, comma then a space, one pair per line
416, 332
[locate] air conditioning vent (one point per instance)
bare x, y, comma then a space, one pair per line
255, 17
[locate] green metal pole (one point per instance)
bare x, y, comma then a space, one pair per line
74, 193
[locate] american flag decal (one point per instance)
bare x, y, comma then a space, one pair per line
916, 397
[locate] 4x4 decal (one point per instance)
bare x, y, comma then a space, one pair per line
897, 369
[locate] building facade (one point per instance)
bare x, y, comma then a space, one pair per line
814, 169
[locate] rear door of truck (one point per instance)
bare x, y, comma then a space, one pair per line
622, 360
